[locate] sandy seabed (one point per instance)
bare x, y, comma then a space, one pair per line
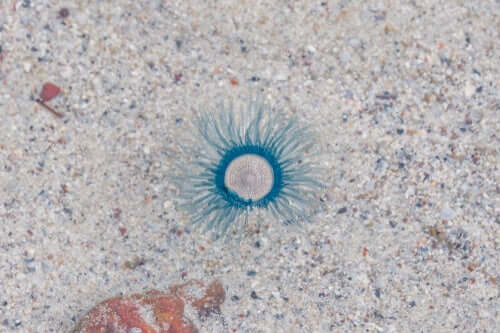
403, 94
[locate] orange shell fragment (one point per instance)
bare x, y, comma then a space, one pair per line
152, 312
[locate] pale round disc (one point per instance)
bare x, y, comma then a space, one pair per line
249, 176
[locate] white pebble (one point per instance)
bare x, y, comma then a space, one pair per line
167, 204
311, 49
27, 67
469, 89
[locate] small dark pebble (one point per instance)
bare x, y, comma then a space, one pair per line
386, 96
63, 12
254, 295
342, 210
235, 298
4, 303
377, 292
26, 4
255, 78
178, 43
380, 163
479, 89
251, 273
401, 165
257, 244
412, 303
445, 60
400, 131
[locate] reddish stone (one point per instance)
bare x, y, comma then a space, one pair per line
123, 230
117, 213
49, 91
154, 311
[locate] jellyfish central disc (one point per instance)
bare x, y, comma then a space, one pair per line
249, 176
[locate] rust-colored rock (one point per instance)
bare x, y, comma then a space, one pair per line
153, 312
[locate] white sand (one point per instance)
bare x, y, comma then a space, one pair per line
404, 94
